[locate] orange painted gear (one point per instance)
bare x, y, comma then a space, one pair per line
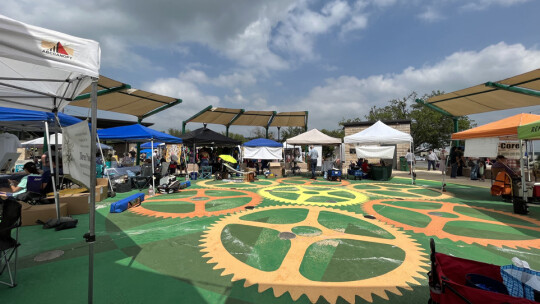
200, 204
436, 226
311, 182
400, 188
230, 185
287, 278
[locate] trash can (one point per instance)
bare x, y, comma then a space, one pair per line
381, 172
403, 164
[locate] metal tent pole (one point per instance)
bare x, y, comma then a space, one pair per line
56, 198
90, 236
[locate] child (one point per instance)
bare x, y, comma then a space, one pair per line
481, 169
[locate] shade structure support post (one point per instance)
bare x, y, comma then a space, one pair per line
91, 236
227, 130
56, 198
138, 160
153, 167
412, 164
266, 132
278, 131
306, 125
523, 186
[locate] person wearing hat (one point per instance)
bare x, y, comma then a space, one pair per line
501, 162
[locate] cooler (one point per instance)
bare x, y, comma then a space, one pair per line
536, 190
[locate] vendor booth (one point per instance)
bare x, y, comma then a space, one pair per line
317, 139
485, 141
262, 148
45, 70
137, 133
368, 144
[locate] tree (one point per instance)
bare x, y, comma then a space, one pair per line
235, 136
260, 132
429, 128
176, 132
291, 132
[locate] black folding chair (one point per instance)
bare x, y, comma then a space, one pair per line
10, 219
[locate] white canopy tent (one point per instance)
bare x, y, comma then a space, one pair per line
45, 70
314, 137
52, 140
379, 133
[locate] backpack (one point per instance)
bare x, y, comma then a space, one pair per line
502, 184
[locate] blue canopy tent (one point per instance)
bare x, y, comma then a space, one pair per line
149, 145
12, 119
262, 142
29, 120
262, 148
138, 133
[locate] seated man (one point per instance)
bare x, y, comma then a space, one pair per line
501, 163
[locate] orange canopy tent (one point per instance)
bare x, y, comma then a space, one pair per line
504, 127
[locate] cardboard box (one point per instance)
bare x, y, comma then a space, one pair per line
31, 213
275, 168
102, 192
76, 203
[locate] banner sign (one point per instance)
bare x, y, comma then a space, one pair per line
510, 149
76, 153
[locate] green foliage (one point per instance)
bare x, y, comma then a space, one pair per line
235, 136
291, 132
260, 132
176, 132
429, 128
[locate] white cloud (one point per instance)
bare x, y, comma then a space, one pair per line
431, 14
350, 97
478, 5
193, 101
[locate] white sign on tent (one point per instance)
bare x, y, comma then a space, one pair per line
76, 152
510, 149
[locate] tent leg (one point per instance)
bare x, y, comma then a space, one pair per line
90, 236
520, 206
53, 180
153, 167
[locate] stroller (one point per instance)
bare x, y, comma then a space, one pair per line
170, 185
457, 280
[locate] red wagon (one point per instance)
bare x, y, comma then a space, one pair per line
450, 282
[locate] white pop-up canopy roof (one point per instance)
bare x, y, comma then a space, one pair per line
41, 69
313, 137
378, 133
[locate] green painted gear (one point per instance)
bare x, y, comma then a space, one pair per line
313, 195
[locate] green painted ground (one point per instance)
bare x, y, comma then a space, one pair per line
144, 259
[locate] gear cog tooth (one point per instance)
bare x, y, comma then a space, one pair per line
296, 285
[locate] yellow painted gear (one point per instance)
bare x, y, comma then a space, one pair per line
239, 186
313, 195
404, 191
287, 278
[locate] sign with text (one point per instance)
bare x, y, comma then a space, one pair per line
76, 153
510, 149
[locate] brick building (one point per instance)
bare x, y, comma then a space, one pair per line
355, 127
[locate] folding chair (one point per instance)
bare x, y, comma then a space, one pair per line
9, 219
144, 179
34, 184
206, 172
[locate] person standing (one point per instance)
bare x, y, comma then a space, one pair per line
432, 159
313, 156
410, 160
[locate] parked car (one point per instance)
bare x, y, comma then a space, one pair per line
419, 158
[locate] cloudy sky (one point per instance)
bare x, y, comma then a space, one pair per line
334, 58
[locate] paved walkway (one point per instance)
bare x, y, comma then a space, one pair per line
437, 176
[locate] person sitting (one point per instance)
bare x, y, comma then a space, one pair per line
19, 190
366, 169
501, 163
126, 160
